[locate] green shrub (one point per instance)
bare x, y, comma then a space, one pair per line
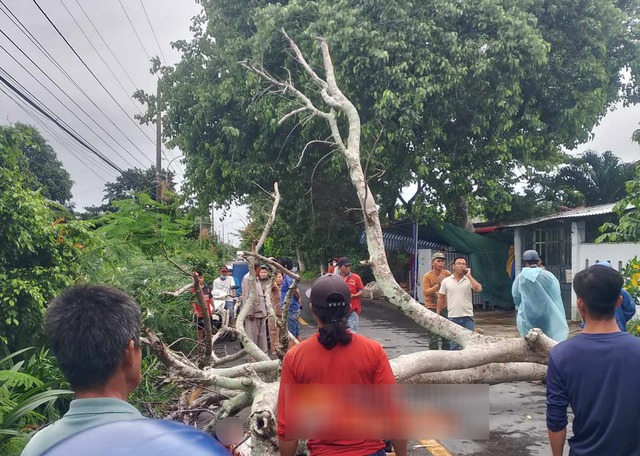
26, 401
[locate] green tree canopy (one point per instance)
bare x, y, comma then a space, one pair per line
452, 95
39, 250
39, 163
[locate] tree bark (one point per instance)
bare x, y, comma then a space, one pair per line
484, 359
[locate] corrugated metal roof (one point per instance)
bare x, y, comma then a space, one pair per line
573, 213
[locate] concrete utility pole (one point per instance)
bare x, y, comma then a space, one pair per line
158, 148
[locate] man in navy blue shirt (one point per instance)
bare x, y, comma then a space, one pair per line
596, 373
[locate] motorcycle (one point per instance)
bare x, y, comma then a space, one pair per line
219, 316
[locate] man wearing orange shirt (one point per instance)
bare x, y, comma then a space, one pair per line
356, 287
430, 285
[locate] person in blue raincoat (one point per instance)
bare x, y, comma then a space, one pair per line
627, 310
536, 293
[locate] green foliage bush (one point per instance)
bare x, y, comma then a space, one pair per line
31, 394
631, 274
155, 395
39, 251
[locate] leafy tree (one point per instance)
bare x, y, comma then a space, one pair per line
39, 164
129, 183
39, 252
597, 179
627, 229
452, 95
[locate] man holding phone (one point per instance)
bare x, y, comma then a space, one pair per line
455, 296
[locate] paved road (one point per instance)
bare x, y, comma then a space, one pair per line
517, 411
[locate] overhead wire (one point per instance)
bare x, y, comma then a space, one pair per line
93, 74
32, 113
178, 167
68, 131
35, 41
61, 102
124, 70
107, 66
144, 49
25, 31
153, 31
134, 30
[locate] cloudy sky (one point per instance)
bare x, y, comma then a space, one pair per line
115, 39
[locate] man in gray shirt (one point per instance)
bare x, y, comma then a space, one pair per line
94, 333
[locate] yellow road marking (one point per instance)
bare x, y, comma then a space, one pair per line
435, 448
302, 322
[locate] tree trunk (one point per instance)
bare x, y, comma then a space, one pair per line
461, 207
301, 266
484, 359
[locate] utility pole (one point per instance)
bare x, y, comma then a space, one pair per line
158, 148
212, 232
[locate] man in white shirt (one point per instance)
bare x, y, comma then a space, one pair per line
455, 295
226, 283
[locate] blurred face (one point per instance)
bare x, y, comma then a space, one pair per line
345, 269
279, 279
438, 264
201, 280
460, 265
263, 274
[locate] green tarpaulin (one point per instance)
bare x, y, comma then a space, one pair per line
488, 261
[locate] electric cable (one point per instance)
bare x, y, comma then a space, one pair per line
92, 73
60, 125
16, 21
153, 31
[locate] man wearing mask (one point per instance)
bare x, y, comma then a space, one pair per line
226, 283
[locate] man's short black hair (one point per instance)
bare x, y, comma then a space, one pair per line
460, 258
89, 327
599, 288
287, 263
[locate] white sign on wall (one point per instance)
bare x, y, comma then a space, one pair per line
424, 266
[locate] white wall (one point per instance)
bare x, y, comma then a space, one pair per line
424, 266
586, 255
617, 254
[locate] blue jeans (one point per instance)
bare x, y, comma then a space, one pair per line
293, 324
228, 305
353, 319
465, 322
380, 452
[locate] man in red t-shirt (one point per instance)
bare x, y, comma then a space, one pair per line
356, 287
333, 356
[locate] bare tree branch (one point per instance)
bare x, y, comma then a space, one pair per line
315, 141
272, 217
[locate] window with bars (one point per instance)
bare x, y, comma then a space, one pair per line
553, 243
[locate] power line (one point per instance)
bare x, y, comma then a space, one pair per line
100, 56
92, 73
61, 102
60, 125
107, 45
15, 20
153, 31
31, 113
134, 30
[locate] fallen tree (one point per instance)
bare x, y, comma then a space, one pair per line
484, 359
